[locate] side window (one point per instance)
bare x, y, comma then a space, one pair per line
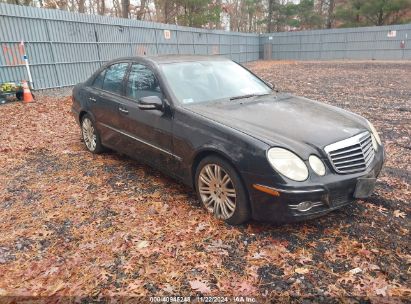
98, 81
142, 83
114, 77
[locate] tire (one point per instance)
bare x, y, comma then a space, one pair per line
219, 195
90, 135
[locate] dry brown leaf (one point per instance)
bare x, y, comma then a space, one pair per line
3, 292
200, 227
142, 244
382, 210
301, 270
399, 213
168, 288
200, 286
381, 291
355, 270
137, 284
245, 288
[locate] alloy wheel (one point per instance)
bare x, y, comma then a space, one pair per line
217, 191
89, 134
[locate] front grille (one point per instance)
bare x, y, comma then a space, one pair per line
351, 155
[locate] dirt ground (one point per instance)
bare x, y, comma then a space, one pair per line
76, 224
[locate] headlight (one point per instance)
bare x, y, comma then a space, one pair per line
317, 165
288, 164
375, 133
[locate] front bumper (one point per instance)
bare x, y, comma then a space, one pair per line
327, 193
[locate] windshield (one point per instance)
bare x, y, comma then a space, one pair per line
203, 81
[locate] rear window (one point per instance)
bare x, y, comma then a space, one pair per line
98, 81
113, 80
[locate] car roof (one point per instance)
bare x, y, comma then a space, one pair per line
160, 59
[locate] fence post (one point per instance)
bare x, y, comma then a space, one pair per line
345, 45
129, 41
231, 46
219, 44
301, 44
207, 41
405, 45
97, 45
321, 46
155, 38
178, 44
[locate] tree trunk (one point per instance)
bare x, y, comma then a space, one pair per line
125, 4
330, 13
142, 10
62, 5
168, 10
159, 10
116, 8
81, 6
271, 4
91, 7
218, 24
250, 22
320, 7
102, 10
380, 18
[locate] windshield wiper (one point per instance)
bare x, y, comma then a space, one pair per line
248, 96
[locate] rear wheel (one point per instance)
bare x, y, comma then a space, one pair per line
90, 135
221, 191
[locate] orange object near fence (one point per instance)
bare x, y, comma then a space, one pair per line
27, 96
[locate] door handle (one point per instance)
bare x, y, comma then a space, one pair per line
123, 110
92, 99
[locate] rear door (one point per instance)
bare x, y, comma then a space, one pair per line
93, 93
150, 131
108, 91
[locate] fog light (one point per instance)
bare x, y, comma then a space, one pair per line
305, 206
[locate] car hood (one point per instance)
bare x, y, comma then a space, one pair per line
285, 120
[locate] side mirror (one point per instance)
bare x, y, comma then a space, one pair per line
150, 103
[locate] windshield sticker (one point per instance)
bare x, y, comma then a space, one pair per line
188, 100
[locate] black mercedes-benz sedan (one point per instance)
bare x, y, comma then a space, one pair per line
248, 150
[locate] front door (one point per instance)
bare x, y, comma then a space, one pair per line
149, 131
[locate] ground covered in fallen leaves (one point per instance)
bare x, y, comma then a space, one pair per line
76, 224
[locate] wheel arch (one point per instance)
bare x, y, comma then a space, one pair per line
214, 152
83, 113
209, 152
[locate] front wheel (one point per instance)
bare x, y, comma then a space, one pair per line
90, 135
221, 190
